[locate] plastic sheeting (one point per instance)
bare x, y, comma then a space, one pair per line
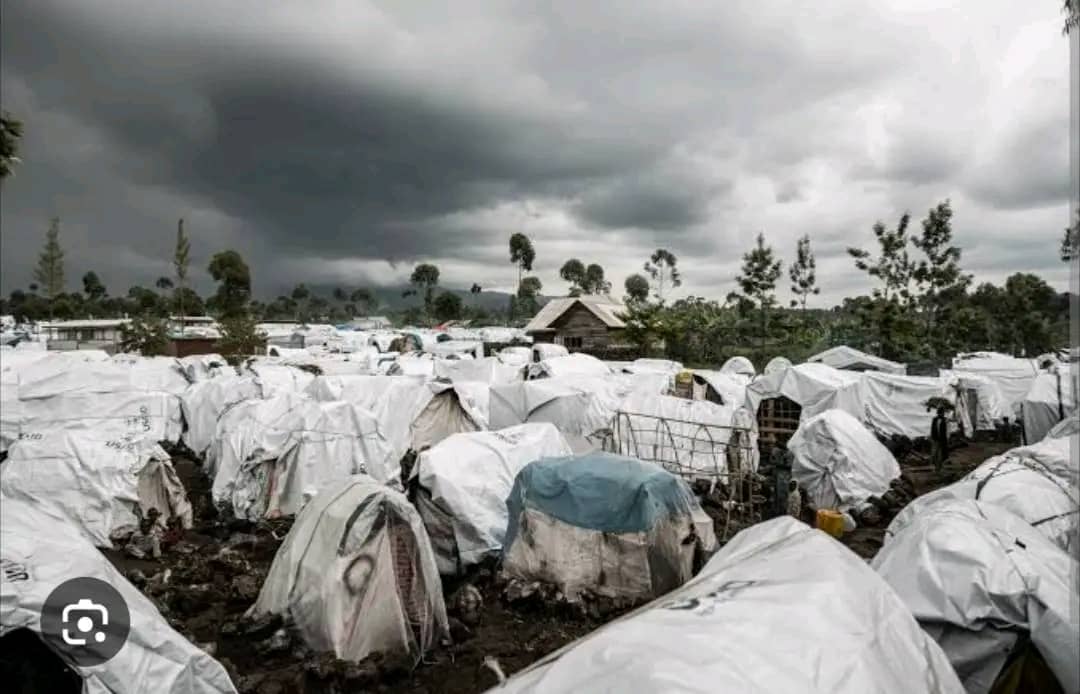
464, 481
1049, 400
278, 377
781, 608
39, 553
975, 575
730, 388
288, 447
97, 485
839, 462
815, 387
1021, 483
356, 575
576, 364
990, 405
603, 523
488, 370
452, 409
1013, 375
689, 437
740, 366
844, 357
205, 401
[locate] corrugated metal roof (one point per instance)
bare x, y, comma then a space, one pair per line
603, 307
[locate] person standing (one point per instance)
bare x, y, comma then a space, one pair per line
939, 440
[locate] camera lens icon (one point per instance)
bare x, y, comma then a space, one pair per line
88, 616
86, 620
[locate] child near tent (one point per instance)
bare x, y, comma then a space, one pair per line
939, 440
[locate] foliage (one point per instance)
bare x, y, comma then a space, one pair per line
662, 267
240, 336
1071, 8
573, 271
637, 288
594, 280
448, 306
426, 276
234, 283
146, 335
938, 278
893, 266
181, 262
50, 268
1070, 243
363, 301
803, 273
522, 253
760, 270
163, 283
11, 131
92, 286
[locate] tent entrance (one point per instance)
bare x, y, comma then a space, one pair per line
778, 418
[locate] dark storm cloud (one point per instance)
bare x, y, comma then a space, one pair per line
1030, 170
312, 137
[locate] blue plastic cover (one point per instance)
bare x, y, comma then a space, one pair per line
598, 491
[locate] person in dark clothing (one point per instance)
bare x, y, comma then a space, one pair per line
939, 440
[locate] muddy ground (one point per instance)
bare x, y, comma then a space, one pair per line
210, 575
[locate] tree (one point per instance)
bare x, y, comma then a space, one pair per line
1070, 244
185, 299
447, 306
594, 280
426, 276
234, 283
760, 270
181, 260
145, 302
146, 335
362, 299
11, 131
240, 336
637, 288
802, 273
662, 267
522, 253
893, 266
92, 286
1071, 8
340, 295
163, 283
573, 271
938, 278
527, 294
50, 267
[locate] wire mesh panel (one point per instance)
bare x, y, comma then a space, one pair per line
720, 456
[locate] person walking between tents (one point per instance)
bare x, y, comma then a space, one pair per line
939, 440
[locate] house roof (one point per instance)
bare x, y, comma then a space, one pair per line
603, 307
86, 323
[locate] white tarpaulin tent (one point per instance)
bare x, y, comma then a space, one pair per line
1013, 375
739, 366
851, 359
688, 437
201, 367
295, 446
1049, 400
977, 577
278, 377
839, 462
39, 553
781, 608
356, 575
154, 373
394, 400
1024, 481
98, 485
488, 370
989, 402
205, 401
729, 388
463, 484
576, 364
814, 387
452, 409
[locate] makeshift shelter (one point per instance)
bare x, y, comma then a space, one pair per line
1012, 375
576, 364
488, 370
515, 356
204, 402
665, 366
462, 485
295, 446
165, 374
1024, 481
984, 584
277, 376
604, 523
740, 366
39, 552
897, 405
100, 486
777, 364
980, 404
694, 438
202, 367
782, 399
838, 462
721, 388
850, 359
779, 587
356, 575
413, 364
457, 349
453, 408
1049, 400
542, 351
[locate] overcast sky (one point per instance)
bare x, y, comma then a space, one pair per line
343, 141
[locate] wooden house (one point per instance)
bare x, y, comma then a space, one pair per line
587, 323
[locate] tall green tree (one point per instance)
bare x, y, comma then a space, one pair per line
181, 262
893, 266
573, 271
163, 283
940, 283
340, 295
50, 268
522, 254
662, 267
637, 288
11, 131
760, 270
1070, 243
234, 283
447, 306
803, 273
527, 295
92, 286
594, 280
426, 276
362, 298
